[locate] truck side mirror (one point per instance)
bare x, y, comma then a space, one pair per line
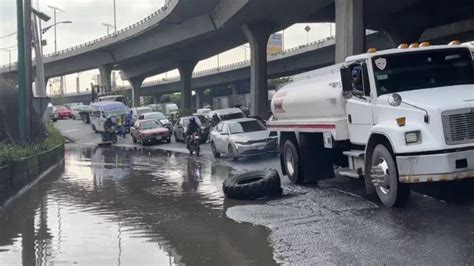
346, 78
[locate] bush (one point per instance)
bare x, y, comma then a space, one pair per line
13, 152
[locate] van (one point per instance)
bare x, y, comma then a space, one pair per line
100, 111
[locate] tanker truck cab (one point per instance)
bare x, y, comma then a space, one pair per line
393, 117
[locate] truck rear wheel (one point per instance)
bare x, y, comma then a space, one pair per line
384, 174
291, 162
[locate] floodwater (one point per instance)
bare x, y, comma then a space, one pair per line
126, 207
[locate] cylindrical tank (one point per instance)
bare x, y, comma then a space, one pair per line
315, 94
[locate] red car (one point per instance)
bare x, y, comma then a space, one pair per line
62, 112
147, 131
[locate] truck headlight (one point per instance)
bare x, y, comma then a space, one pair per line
412, 137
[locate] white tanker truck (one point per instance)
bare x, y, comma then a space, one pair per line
393, 117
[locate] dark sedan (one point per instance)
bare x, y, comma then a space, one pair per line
182, 123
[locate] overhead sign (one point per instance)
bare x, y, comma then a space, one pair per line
275, 43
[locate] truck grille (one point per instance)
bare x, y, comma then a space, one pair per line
458, 126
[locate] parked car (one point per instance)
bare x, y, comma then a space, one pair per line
226, 114
62, 112
179, 129
148, 131
242, 137
159, 117
138, 111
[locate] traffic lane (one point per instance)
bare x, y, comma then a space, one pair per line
451, 192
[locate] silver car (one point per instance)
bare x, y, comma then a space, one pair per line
242, 137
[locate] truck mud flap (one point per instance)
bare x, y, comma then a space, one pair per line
317, 160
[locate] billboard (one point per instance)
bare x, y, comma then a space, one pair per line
275, 43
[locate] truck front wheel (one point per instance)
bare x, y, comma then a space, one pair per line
384, 175
291, 162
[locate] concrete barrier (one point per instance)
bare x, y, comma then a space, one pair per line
20, 174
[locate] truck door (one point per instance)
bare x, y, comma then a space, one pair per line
359, 108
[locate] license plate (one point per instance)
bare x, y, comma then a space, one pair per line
260, 148
158, 138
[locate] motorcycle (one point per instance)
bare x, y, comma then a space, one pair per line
193, 144
110, 135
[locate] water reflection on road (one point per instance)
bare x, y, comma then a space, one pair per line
121, 207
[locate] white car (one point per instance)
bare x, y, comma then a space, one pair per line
242, 137
138, 111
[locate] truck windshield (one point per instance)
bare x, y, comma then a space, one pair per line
422, 70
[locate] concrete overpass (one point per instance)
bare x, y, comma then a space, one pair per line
289, 62
187, 31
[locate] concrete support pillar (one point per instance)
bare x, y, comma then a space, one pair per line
105, 77
199, 98
186, 74
156, 99
257, 35
136, 83
350, 29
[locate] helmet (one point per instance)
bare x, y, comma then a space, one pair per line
192, 120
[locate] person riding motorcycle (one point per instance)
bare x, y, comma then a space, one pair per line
109, 127
192, 128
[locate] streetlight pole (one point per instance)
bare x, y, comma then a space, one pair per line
115, 19
56, 9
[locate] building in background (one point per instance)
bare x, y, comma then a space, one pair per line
275, 43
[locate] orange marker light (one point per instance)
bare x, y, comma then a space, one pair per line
414, 45
403, 46
372, 50
425, 44
401, 121
454, 42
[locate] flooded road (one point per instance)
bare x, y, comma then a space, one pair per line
125, 207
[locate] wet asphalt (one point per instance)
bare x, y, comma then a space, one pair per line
132, 205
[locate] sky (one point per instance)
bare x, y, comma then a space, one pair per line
87, 17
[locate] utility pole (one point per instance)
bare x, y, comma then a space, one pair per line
28, 30
56, 9
115, 18
21, 73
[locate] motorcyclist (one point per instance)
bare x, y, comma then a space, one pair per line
215, 120
109, 127
192, 128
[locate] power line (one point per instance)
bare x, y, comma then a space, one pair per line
8, 35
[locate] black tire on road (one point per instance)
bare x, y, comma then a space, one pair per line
291, 162
134, 140
392, 193
214, 151
253, 185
